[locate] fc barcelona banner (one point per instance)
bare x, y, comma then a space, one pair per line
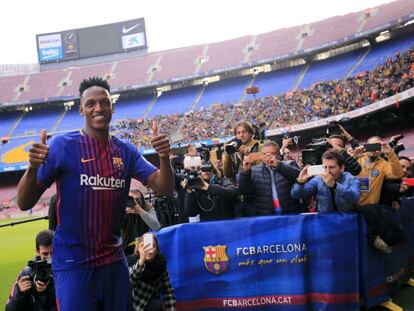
298, 262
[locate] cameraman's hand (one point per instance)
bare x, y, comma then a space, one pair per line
403, 187
144, 252
303, 176
184, 184
244, 150
386, 148
286, 142
137, 209
358, 152
40, 286
344, 132
328, 179
247, 164
205, 185
24, 284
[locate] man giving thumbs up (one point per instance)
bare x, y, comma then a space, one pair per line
93, 172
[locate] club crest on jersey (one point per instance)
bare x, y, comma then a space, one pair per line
216, 260
118, 163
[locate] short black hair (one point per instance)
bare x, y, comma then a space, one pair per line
334, 155
93, 81
405, 158
44, 238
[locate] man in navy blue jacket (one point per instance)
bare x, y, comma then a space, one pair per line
335, 190
270, 183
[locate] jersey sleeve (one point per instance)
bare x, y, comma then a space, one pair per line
141, 168
48, 171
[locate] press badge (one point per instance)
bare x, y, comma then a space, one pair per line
375, 173
364, 182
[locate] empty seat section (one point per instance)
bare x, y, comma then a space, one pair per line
9, 87
276, 43
43, 84
225, 91
277, 82
133, 71
178, 63
17, 150
7, 120
225, 54
330, 69
33, 121
81, 73
175, 101
71, 121
387, 12
133, 107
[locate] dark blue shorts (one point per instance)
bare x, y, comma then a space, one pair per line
105, 288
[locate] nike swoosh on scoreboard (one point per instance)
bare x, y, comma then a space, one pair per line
87, 160
126, 30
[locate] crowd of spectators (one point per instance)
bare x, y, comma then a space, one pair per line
322, 100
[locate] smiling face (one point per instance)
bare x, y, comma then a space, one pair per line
96, 106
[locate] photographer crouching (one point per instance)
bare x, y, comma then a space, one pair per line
209, 196
34, 288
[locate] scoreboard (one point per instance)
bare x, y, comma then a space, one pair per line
91, 41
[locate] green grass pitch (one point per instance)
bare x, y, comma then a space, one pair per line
17, 248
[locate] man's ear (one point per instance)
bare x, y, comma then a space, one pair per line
81, 110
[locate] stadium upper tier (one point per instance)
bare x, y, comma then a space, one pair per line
210, 111
189, 62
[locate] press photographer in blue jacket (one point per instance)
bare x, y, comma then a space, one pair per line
335, 189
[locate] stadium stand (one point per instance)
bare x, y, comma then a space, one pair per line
33, 121
277, 82
178, 63
330, 69
174, 101
36, 88
379, 16
225, 91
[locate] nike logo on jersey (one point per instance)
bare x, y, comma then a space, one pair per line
126, 30
87, 160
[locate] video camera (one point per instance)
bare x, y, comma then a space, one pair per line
192, 166
394, 143
41, 270
312, 155
232, 146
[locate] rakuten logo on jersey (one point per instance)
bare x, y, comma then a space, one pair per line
102, 183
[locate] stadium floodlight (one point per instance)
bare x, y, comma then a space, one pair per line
158, 92
68, 105
115, 97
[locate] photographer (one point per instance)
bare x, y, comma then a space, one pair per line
338, 143
34, 288
269, 183
140, 217
335, 189
242, 145
212, 199
149, 278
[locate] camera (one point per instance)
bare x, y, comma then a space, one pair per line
394, 143
313, 153
232, 146
41, 270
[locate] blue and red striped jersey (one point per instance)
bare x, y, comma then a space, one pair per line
92, 181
